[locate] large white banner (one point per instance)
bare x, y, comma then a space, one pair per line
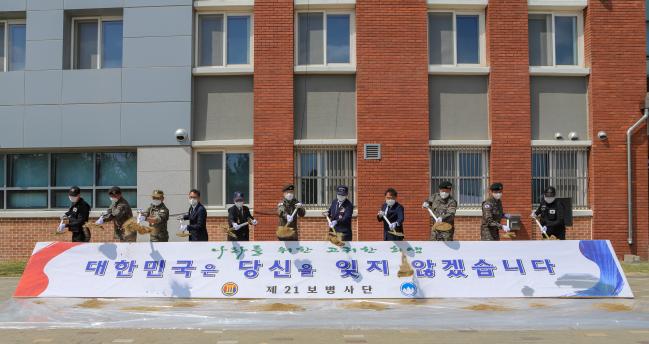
316, 269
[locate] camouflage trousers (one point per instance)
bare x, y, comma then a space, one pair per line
489, 234
122, 236
436, 235
159, 236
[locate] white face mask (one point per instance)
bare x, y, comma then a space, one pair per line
193, 202
73, 199
113, 199
289, 196
444, 195
341, 198
390, 202
497, 195
548, 199
156, 202
239, 204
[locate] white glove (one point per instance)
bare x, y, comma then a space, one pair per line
299, 205
140, 219
425, 205
507, 216
393, 225
61, 228
533, 214
289, 219
254, 222
544, 229
100, 221
333, 223
381, 213
183, 228
235, 226
438, 219
63, 217
506, 228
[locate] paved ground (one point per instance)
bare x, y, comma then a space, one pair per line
386, 321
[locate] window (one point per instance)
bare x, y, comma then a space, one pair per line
220, 174
42, 180
224, 39
554, 39
319, 170
565, 168
324, 38
97, 43
12, 45
455, 38
467, 168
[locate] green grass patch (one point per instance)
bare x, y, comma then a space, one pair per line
12, 269
637, 268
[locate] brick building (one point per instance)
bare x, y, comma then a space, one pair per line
370, 93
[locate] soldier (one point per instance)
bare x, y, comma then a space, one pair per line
492, 214
118, 212
340, 213
197, 216
239, 217
157, 216
394, 212
443, 206
285, 210
551, 215
76, 216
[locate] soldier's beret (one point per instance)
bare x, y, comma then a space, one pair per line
496, 187
445, 185
288, 187
115, 190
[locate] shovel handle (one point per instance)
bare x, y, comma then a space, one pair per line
536, 219
432, 214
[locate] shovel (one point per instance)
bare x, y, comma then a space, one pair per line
510, 234
393, 232
439, 226
181, 233
286, 232
545, 235
333, 236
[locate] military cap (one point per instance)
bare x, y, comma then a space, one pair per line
342, 190
288, 187
445, 185
157, 194
115, 190
550, 191
496, 187
74, 191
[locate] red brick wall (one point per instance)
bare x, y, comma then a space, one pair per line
615, 52
273, 109
509, 104
392, 109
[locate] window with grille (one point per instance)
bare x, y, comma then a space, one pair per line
319, 170
565, 168
466, 167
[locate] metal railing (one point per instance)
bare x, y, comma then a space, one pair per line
565, 168
320, 169
467, 168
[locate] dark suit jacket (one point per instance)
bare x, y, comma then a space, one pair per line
197, 223
343, 215
394, 214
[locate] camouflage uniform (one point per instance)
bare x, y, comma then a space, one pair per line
444, 208
492, 213
119, 212
160, 213
286, 208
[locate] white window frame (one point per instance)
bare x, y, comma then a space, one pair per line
227, 199
580, 38
234, 67
326, 66
6, 23
100, 54
482, 40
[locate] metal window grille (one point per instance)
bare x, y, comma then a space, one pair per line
319, 170
467, 168
565, 168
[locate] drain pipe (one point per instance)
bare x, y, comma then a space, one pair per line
629, 168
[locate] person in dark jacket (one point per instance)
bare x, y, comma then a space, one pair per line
77, 216
394, 212
197, 217
551, 215
340, 213
238, 217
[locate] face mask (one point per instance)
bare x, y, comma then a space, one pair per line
73, 199
549, 199
390, 202
156, 202
497, 195
444, 195
289, 196
239, 204
341, 198
113, 200
193, 202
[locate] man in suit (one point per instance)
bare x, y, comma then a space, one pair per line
394, 212
197, 217
340, 213
238, 217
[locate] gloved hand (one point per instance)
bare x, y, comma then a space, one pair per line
183, 227
506, 228
438, 219
254, 222
140, 219
533, 214
544, 229
299, 205
425, 205
100, 221
61, 228
393, 225
235, 226
333, 223
381, 213
289, 219
63, 217
507, 216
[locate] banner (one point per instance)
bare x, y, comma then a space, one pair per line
317, 269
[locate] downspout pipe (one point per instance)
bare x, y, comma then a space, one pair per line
629, 168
